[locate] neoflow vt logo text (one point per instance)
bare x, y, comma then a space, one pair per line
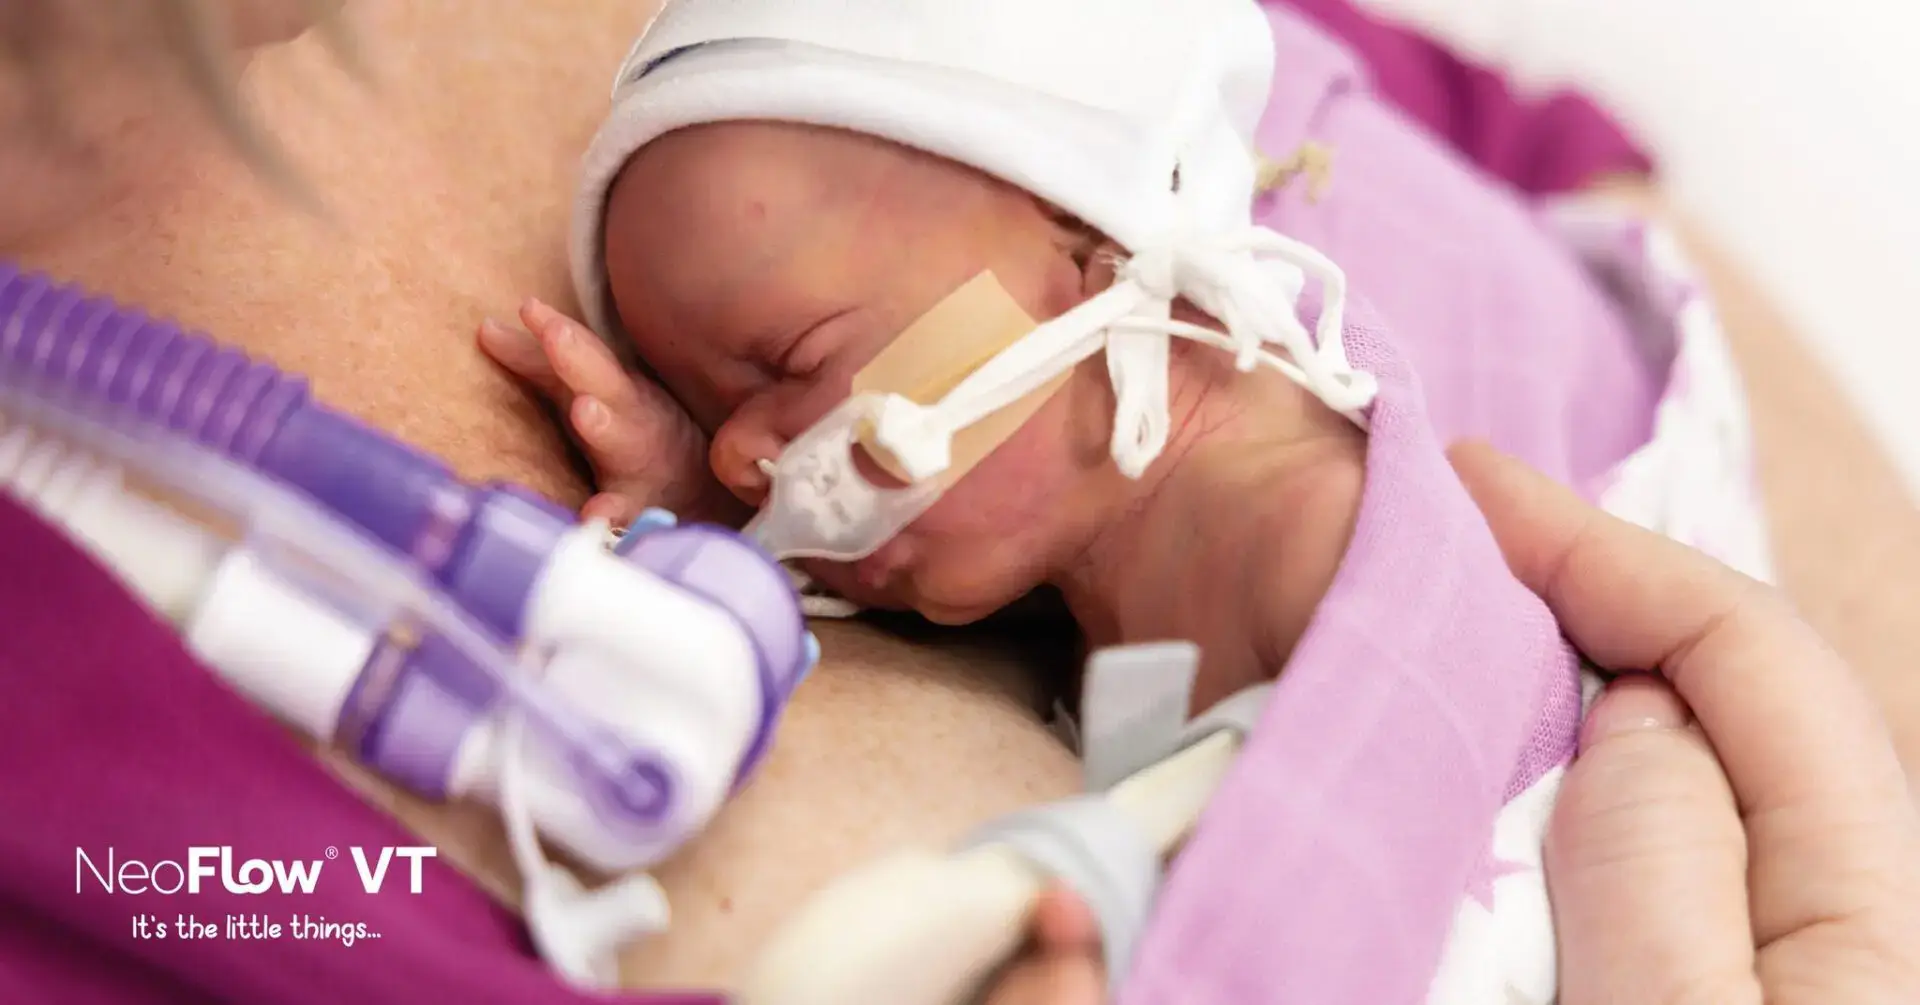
203, 865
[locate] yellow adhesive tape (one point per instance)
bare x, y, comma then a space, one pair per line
935, 353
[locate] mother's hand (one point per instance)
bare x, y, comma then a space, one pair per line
1784, 869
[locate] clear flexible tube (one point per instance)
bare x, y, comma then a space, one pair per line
365, 595
303, 540
285, 602
661, 621
491, 548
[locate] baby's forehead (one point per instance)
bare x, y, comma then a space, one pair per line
719, 238
774, 165
700, 202
692, 208
696, 209
753, 172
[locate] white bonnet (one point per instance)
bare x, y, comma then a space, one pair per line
1090, 104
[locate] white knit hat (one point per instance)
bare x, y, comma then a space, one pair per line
1089, 104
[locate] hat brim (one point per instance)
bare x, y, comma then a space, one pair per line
1084, 160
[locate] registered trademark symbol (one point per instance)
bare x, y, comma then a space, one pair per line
333, 852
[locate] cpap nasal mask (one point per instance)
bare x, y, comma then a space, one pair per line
463, 641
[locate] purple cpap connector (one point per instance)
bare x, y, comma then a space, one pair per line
486, 545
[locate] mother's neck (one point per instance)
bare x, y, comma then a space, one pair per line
120, 160
1234, 535
126, 150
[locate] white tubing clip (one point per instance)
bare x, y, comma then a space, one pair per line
927, 927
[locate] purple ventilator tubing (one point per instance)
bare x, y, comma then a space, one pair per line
486, 546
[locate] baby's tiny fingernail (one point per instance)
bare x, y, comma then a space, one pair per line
495, 332
590, 415
1632, 704
538, 315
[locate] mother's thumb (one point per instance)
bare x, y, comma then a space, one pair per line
1646, 860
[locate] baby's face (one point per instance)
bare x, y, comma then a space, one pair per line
759, 266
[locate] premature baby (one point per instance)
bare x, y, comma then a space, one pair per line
759, 265
784, 187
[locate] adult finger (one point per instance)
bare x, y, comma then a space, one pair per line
1810, 762
1062, 963
1049, 979
1646, 860
1063, 923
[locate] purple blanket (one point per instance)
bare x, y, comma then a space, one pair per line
1430, 688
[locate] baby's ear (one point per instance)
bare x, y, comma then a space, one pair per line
1103, 261
1092, 253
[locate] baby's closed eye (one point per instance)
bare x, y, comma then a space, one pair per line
819, 345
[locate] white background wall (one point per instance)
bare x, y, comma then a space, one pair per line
1790, 128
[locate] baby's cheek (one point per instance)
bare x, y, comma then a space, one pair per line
990, 539
1012, 492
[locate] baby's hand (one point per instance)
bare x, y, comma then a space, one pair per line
645, 451
1062, 965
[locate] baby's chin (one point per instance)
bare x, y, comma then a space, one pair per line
905, 588
844, 580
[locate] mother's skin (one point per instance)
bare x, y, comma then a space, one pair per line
449, 185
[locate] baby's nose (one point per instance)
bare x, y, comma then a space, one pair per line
740, 456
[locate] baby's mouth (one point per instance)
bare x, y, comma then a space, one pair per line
881, 570
876, 581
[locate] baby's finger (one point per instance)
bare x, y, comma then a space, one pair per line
625, 447
631, 429
521, 354
582, 361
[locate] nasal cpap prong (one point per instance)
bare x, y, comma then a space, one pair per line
820, 505
909, 434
